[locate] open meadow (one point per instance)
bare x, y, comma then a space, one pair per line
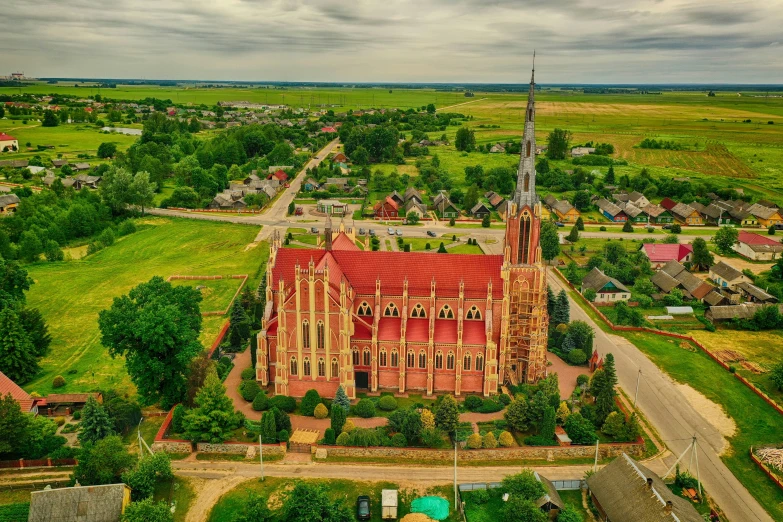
70, 294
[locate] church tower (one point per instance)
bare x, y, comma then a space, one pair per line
525, 321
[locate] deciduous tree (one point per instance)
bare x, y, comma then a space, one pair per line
103, 462
447, 414
725, 238
557, 144
550, 242
702, 257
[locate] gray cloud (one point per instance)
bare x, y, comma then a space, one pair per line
369, 40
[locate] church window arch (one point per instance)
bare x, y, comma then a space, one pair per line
418, 311
319, 335
395, 358
422, 359
335, 367
530, 114
306, 365
366, 357
305, 334
446, 312
355, 356
294, 366
450, 361
391, 310
321, 367
466, 362
479, 362
382, 357
439, 360
364, 310
411, 359
527, 182
527, 148
473, 313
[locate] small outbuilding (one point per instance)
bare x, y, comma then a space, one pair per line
104, 503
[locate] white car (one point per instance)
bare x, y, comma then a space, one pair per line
391, 231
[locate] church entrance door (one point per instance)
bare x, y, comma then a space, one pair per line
362, 380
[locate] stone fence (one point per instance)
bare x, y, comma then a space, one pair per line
545, 453
241, 448
172, 446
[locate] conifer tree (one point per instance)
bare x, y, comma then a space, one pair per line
550, 301
573, 236
548, 424
268, 428
95, 423
603, 389
562, 311
447, 414
240, 325
338, 418
609, 178
214, 418
341, 399
17, 353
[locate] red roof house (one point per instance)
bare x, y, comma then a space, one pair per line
279, 175
660, 254
27, 403
6, 137
387, 208
758, 247
328, 129
340, 158
668, 203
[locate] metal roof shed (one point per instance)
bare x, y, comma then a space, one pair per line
389, 504
679, 310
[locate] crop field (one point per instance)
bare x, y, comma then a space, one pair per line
70, 294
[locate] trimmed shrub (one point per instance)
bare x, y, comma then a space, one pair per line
283, 402
309, 402
261, 402
473, 402
177, 418
58, 382
59, 421
387, 403
506, 440
582, 379
489, 441
282, 436
349, 426
321, 412
343, 439
77, 415
398, 440
248, 374
490, 406
329, 437
427, 420
577, 357
249, 389
474, 441
365, 409
504, 399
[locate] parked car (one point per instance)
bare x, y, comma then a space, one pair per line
362, 232
667, 227
559, 224
313, 230
372, 232
363, 508
779, 226
391, 231
399, 232
432, 233
299, 211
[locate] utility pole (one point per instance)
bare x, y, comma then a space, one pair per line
261, 456
595, 463
636, 395
455, 474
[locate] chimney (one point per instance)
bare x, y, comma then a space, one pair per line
649, 483
669, 506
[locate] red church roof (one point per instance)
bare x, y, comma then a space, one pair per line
343, 242
663, 253
750, 238
363, 268
22, 397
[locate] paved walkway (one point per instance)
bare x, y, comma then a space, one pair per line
566, 374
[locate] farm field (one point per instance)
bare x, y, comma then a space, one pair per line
71, 293
346, 491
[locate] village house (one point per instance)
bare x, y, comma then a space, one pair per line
673, 275
581, 151
757, 247
80, 166
279, 175
8, 203
59, 162
497, 148
607, 289
340, 158
104, 503
85, 180
717, 314
8, 143
565, 211
726, 276
766, 217
660, 254
26, 403
339, 183
682, 213
388, 208
634, 213
755, 294
611, 211
445, 207
413, 194
624, 491
656, 214
310, 185
397, 197
712, 214
417, 208
480, 210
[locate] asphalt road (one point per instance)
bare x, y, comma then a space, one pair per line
674, 418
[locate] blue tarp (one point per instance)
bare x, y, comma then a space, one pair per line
437, 508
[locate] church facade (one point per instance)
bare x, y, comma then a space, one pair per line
405, 321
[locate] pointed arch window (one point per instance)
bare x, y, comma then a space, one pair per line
395, 358
479, 363
321, 367
355, 356
391, 311
306, 364
450, 361
527, 149
382, 357
364, 310
335, 367
305, 334
294, 366
411, 362
418, 311
422, 359
366, 357
319, 335
446, 312
527, 182
530, 115
466, 362
473, 313
439, 360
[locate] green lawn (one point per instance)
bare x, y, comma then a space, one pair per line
149, 428
216, 293
491, 511
466, 249
233, 502
71, 293
402, 402
68, 140
178, 493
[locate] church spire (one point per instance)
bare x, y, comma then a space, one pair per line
525, 193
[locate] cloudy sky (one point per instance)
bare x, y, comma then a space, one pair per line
596, 41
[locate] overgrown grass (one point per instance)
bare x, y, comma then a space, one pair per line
178, 493
70, 294
216, 293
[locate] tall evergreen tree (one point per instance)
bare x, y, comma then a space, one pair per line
17, 353
603, 389
95, 424
268, 428
214, 418
548, 424
550, 301
341, 399
562, 311
239, 331
609, 178
13, 425
338, 418
447, 414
